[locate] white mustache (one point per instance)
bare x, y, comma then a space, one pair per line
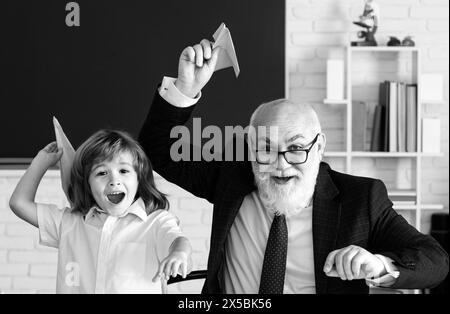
280, 174
288, 199
284, 175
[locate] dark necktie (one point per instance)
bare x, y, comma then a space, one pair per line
274, 265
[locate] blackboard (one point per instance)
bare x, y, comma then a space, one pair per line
104, 73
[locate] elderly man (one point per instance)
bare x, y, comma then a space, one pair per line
283, 221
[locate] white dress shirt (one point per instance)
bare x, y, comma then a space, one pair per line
99, 253
246, 244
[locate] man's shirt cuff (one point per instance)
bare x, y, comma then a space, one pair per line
170, 93
389, 278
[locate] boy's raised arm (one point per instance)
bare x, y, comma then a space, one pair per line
22, 200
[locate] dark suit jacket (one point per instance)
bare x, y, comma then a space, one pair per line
347, 210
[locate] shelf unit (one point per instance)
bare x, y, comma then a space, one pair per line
350, 156
381, 154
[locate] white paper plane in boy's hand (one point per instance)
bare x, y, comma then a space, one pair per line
227, 57
65, 164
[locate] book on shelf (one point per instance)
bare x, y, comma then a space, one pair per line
376, 142
403, 199
385, 103
378, 136
411, 118
401, 117
359, 122
402, 192
393, 116
404, 205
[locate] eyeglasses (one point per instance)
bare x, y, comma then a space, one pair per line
293, 157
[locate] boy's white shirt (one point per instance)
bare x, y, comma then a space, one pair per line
170, 93
99, 253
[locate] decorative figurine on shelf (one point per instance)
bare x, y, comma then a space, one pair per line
394, 42
408, 42
369, 21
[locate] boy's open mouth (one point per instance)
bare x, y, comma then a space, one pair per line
115, 197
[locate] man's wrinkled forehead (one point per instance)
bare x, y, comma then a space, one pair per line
275, 133
285, 114
284, 123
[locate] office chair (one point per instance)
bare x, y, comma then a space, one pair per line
194, 275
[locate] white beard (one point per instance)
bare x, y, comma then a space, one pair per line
286, 199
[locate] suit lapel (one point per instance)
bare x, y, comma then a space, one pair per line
326, 216
240, 183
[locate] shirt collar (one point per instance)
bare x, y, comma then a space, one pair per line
137, 209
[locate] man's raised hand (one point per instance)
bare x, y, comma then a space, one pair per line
196, 66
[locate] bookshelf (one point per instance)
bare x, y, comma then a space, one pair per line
382, 154
392, 61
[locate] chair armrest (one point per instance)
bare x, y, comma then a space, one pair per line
196, 274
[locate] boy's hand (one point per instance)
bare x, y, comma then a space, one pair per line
174, 264
48, 156
196, 67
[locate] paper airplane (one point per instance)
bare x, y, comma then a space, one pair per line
66, 161
227, 57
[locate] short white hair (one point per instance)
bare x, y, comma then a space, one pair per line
303, 108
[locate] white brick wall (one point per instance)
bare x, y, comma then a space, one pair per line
316, 30
27, 267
